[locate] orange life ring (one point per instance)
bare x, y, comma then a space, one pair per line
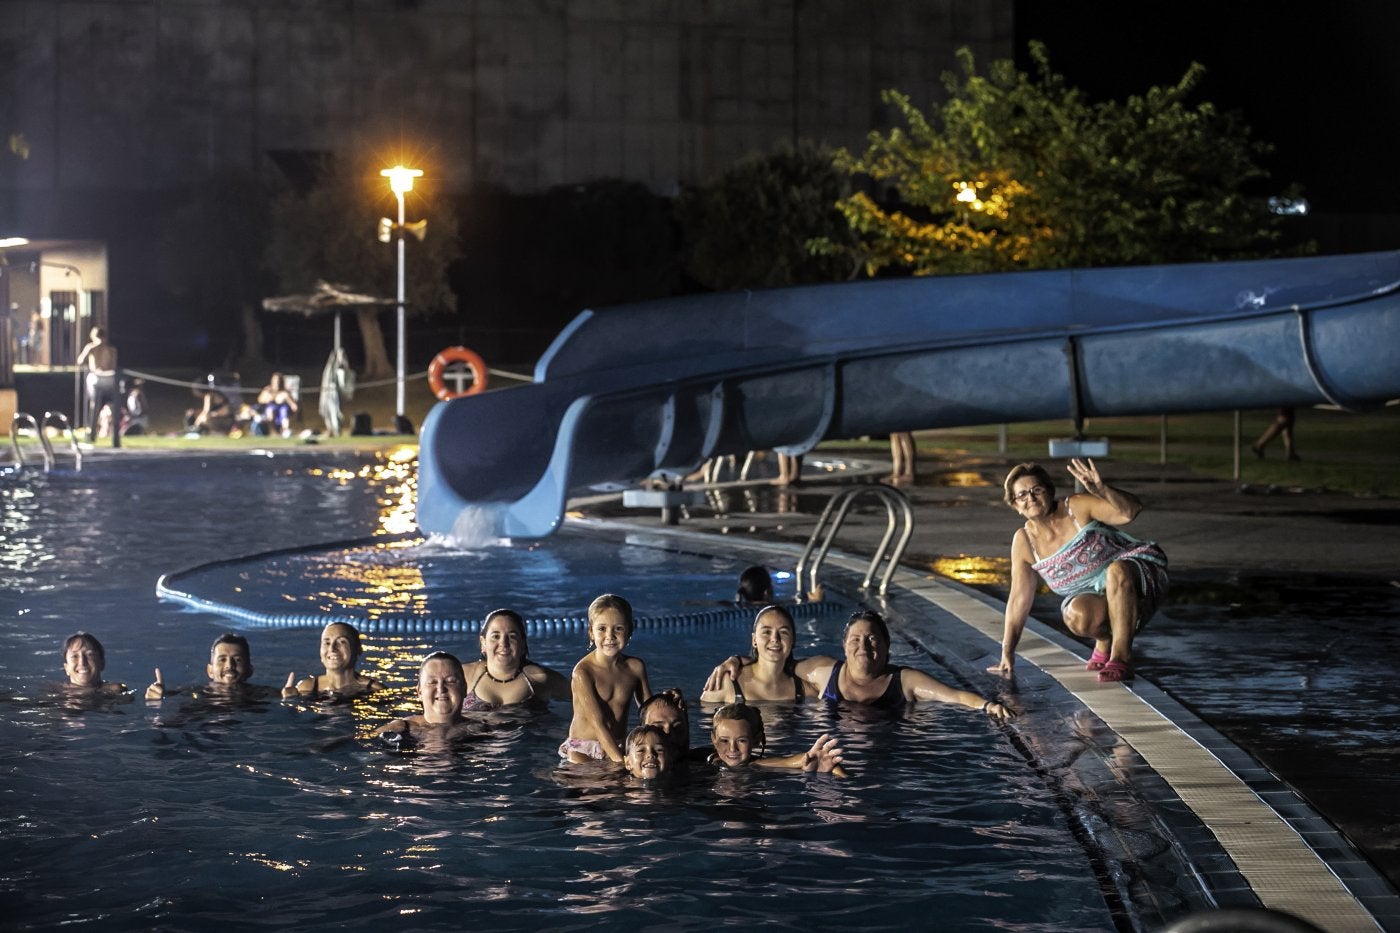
446, 358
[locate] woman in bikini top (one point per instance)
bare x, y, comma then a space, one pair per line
769, 674
340, 652
505, 675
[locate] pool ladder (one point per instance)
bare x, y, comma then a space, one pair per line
57, 417
899, 516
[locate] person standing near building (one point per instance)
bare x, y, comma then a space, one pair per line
100, 360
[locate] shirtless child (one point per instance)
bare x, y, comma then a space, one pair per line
605, 683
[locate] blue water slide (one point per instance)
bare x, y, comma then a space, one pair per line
661, 386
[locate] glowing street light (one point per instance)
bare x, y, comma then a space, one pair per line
401, 182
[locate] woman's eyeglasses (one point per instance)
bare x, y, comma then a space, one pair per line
1025, 494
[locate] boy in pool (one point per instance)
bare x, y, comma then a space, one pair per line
649, 756
340, 650
604, 683
84, 661
738, 728
230, 665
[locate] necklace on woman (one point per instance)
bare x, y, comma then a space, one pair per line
518, 672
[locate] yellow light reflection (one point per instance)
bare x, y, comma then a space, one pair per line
973, 570
963, 479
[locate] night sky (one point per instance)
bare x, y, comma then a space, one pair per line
1318, 80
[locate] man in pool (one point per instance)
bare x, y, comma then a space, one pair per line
230, 665
1111, 582
605, 682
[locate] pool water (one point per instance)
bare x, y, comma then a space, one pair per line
188, 813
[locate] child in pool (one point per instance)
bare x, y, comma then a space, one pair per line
604, 684
649, 754
340, 651
230, 665
738, 728
83, 662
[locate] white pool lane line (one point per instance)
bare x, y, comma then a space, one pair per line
1283, 871
1281, 868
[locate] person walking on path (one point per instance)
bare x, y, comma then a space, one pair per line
1282, 425
1111, 582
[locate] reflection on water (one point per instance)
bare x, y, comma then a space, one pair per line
169, 815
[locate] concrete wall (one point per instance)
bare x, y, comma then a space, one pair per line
525, 94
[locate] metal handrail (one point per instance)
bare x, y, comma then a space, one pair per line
46, 448
834, 516
73, 440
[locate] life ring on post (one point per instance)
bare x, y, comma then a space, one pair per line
437, 369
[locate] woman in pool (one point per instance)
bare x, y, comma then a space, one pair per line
441, 688
505, 675
866, 676
340, 651
737, 730
771, 677
83, 662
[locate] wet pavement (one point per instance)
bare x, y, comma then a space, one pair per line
1282, 629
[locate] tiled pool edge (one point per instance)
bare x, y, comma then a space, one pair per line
1291, 858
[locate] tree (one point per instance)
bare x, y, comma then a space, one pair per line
328, 233
751, 226
1020, 171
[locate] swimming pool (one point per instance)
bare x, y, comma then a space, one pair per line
182, 815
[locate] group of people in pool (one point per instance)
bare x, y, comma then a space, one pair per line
604, 687
1110, 581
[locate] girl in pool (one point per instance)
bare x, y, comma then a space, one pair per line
771, 676
83, 662
737, 730
505, 675
441, 688
340, 651
605, 682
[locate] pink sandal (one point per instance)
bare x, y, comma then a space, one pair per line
1097, 660
1114, 672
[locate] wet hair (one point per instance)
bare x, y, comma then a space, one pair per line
783, 613
638, 732
673, 697
86, 639
877, 622
442, 656
228, 638
742, 712
354, 634
611, 601
1034, 470
515, 617
755, 586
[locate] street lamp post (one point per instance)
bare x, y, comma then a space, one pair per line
401, 181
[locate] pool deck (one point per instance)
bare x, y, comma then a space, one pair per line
1288, 856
